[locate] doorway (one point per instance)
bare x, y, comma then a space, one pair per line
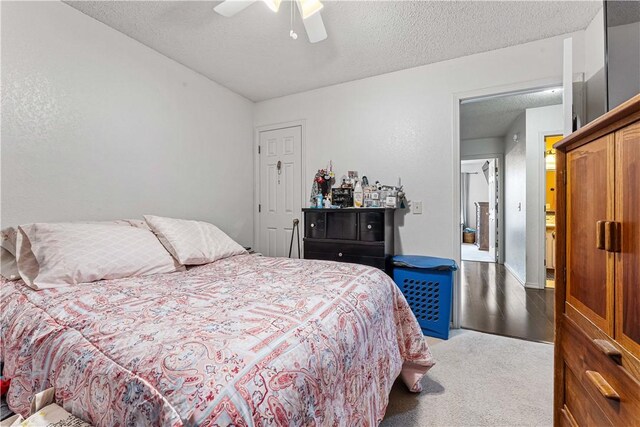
479, 197
279, 189
502, 146
550, 208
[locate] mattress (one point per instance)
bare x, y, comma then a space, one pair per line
247, 340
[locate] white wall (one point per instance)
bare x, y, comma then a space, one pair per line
478, 189
490, 147
401, 124
515, 199
594, 46
97, 126
594, 74
540, 122
624, 63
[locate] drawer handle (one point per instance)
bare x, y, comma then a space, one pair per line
600, 234
603, 386
609, 350
369, 227
339, 254
312, 225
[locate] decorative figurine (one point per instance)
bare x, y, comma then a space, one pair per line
322, 182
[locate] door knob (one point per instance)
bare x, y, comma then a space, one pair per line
312, 225
340, 254
369, 226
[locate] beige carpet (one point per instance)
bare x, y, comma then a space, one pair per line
479, 380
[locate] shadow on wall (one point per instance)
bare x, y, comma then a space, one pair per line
400, 215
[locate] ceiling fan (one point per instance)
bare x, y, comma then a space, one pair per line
309, 10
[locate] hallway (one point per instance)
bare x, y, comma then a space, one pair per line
493, 301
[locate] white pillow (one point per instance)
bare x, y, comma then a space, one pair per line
193, 242
8, 265
51, 255
8, 239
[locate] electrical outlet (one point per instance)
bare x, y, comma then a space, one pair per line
417, 208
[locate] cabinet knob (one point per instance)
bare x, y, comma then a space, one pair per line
612, 236
340, 254
369, 226
600, 234
312, 225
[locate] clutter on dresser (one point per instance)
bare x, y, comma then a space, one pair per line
342, 197
353, 192
322, 182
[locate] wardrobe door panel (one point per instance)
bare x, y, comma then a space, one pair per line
590, 193
628, 259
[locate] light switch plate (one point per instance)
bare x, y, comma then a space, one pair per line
417, 208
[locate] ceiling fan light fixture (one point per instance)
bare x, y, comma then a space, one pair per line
273, 4
309, 7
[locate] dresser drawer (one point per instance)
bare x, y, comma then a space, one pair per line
601, 375
378, 262
337, 250
371, 226
315, 224
342, 225
566, 418
581, 409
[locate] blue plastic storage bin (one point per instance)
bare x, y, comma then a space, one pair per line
427, 284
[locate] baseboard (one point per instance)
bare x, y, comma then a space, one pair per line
512, 271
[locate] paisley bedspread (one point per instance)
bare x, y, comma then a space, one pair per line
248, 340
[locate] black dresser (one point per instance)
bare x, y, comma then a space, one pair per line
358, 235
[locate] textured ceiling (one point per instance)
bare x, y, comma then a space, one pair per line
623, 12
492, 117
252, 54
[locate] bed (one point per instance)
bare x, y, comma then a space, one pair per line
247, 340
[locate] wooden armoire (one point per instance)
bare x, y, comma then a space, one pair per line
597, 353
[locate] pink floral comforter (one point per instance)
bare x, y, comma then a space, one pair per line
247, 340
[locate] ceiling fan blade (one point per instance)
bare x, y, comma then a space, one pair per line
229, 8
315, 28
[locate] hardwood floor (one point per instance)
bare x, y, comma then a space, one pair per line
494, 301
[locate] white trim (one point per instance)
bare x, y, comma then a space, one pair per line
567, 85
542, 222
456, 235
256, 171
514, 274
456, 305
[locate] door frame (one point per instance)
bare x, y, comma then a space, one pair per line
456, 235
256, 173
542, 224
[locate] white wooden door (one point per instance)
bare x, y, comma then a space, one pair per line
493, 208
280, 190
